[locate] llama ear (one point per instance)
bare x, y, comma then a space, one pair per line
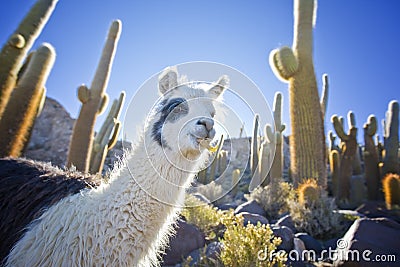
167, 80
218, 88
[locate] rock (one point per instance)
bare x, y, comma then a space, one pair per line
331, 243
51, 134
287, 221
227, 206
310, 242
377, 209
295, 255
253, 218
286, 235
369, 239
251, 207
187, 239
213, 250
201, 198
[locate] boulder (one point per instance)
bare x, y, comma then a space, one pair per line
310, 242
369, 240
251, 207
253, 218
286, 235
187, 239
287, 221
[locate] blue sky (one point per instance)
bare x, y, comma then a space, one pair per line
355, 42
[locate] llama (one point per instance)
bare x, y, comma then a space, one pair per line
127, 221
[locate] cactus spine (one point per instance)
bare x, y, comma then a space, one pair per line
107, 136
307, 148
94, 101
391, 188
391, 139
25, 102
18, 45
349, 149
372, 176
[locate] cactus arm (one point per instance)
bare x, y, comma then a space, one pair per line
111, 126
82, 138
83, 94
338, 126
324, 95
114, 137
283, 62
18, 45
24, 103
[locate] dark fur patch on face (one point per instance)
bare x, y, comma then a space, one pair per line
171, 111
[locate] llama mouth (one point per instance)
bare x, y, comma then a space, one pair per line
206, 144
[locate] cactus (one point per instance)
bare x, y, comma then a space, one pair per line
347, 156
371, 162
307, 148
334, 163
214, 164
324, 95
235, 181
255, 146
309, 192
18, 45
391, 139
379, 149
265, 160
25, 102
276, 138
357, 189
94, 101
332, 144
103, 142
391, 188
222, 161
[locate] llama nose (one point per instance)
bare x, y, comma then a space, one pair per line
207, 122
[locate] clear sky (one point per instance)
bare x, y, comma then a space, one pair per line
355, 42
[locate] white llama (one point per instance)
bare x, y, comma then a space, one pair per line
127, 221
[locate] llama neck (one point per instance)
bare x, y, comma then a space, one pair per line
155, 172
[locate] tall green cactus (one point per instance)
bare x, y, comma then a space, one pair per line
264, 161
371, 162
357, 170
307, 148
349, 150
94, 101
391, 139
254, 151
25, 102
277, 138
107, 136
334, 164
18, 45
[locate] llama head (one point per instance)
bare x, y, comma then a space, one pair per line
183, 118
